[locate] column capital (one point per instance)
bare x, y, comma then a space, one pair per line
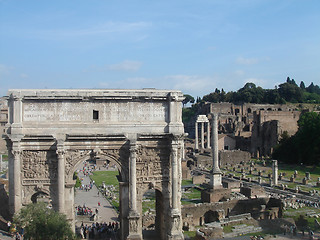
177, 137
60, 152
16, 152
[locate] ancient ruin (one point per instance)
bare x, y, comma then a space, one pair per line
255, 128
50, 132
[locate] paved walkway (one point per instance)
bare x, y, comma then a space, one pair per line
91, 198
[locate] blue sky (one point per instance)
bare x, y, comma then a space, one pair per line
193, 46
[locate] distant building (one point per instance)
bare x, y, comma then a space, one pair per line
3, 122
256, 128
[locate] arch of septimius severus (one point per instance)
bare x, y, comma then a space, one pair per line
50, 132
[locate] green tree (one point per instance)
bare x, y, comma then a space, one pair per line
187, 98
40, 222
313, 88
304, 146
290, 92
309, 137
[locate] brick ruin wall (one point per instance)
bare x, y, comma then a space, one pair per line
233, 157
288, 121
260, 208
268, 128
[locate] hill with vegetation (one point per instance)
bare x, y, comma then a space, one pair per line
287, 92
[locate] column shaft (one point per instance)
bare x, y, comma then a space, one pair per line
275, 172
208, 135
16, 180
216, 179
215, 149
133, 179
174, 173
196, 136
202, 135
61, 180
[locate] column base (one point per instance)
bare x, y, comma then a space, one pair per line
214, 195
175, 212
216, 180
134, 226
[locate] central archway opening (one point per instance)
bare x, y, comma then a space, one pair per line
97, 199
152, 212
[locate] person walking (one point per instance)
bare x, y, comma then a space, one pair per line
8, 225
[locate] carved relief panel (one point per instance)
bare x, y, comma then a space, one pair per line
152, 164
38, 167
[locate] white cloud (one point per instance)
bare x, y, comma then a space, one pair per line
193, 83
251, 61
247, 61
138, 80
4, 69
23, 75
104, 84
126, 65
102, 29
239, 72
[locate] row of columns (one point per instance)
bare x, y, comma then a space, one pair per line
202, 119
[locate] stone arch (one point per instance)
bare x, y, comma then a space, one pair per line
118, 160
51, 131
34, 197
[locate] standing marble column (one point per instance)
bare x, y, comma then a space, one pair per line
196, 136
174, 173
175, 232
202, 135
135, 231
133, 178
208, 135
16, 174
61, 178
216, 180
275, 172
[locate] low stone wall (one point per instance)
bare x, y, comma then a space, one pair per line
195, 214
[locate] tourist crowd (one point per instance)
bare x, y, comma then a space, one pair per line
98, 230
83, 210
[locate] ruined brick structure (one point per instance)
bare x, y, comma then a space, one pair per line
260, 208
255, 127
